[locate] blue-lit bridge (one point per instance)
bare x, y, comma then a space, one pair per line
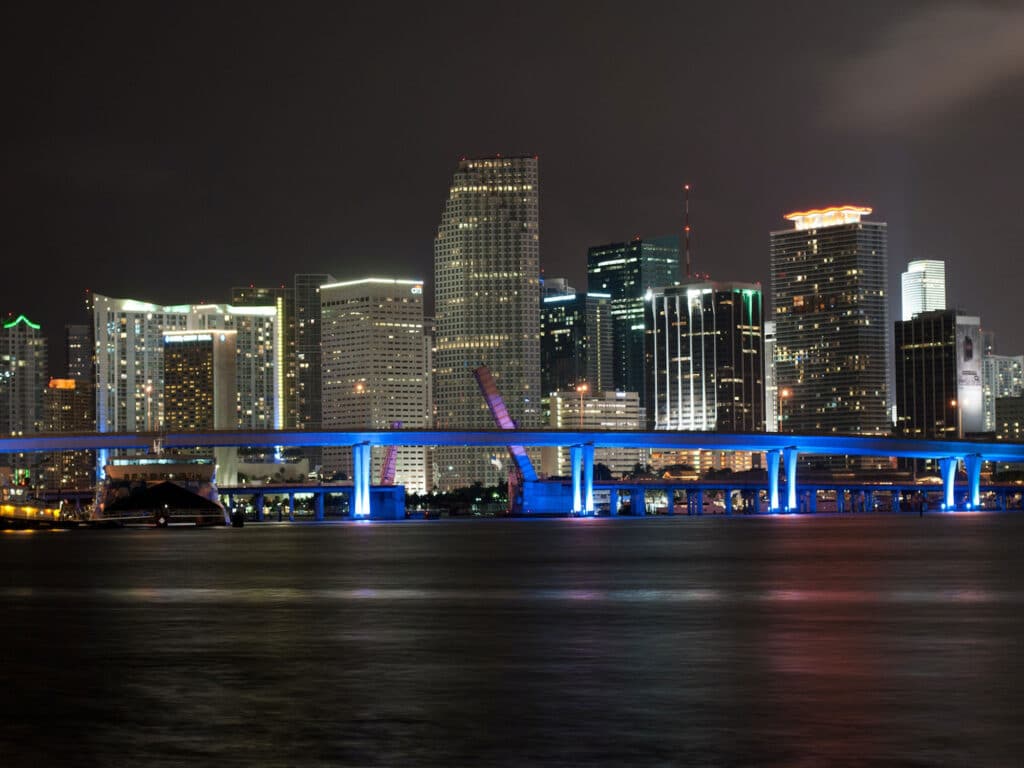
545, 497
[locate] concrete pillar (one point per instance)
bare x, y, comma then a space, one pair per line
840, 500
947, 467
972, 463
258, 503
869, 501
789, 456
575, 456
773, 480
728, 501
695, 505
588, 479
613, 502
291, 506
638, 502
361, 480
812, 500
319, 497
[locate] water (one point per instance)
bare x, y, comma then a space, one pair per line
685, 641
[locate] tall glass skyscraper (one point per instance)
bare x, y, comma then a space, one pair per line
575, 339
828, 279
625, 271
924, 287
487, 283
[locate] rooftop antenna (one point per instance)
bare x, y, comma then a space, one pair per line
686, 228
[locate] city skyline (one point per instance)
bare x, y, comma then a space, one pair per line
184, 164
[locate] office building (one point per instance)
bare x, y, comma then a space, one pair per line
625, 271
575, 339
375, 370
69, 405
78, 349
828, 279
938, 375
487, 308
618, 411
23, 376
283, 300
771, 389
1002, 376
924, 287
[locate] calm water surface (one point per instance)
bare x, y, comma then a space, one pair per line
686, 641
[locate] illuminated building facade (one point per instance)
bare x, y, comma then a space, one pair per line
828, 280
938, 375
69, 406
923, 287
375, 370
575, 339
705, 357
600, 411
487, 288
771, 389
625, 271
78, 347
283, 300
1002, 376
23, 376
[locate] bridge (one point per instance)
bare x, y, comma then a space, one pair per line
544, 497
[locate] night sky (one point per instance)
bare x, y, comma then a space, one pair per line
168, 152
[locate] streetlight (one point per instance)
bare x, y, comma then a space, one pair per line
581, 390
783, 394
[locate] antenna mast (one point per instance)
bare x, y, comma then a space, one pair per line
686, 228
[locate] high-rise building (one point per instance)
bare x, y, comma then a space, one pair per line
828, 277
938, 375
282, 299
705, 357
771, 389
487, 288
1002, 376
69, 405
575, 339
625, 271
79, 347
924, 287
375, 369
23, 376
618, 411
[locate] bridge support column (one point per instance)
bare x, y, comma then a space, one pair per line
840, 500
728, 501
575, 457
361, 480
947, 467
291, 507
613, 502
812, 500
638, 502
773, 480
588, 479
789, 456
869, 501
319, 497
695, 503
972, 463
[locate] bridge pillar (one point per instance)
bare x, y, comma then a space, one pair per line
319, 498
613, 502
972, 463
575, 457
588, 479
728, 501
291, 507
840, 500
361, 480
258, 503
812, 500
947, 467
773, 480
638, 502
789, 456
869, 501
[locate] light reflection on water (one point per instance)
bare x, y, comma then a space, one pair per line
658, 642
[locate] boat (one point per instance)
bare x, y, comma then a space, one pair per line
158, 492
18, 508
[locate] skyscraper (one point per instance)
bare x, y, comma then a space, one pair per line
924, 287
487, 284
625, 271
771, 388
1002, 377
308, 364
575, 339
69, 406
705, 357
283, 299
78, 345
23, 376
375, 369
828, 278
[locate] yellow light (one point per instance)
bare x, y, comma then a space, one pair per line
827, 217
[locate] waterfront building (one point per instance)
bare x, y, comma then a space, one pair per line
1002, 376
69, 405
200, 390
595, 411
771, 388
375, 370
308, 363
282, 299
828, 279
78, 349
487, 289
1010, 418
575, 339
705, 361
625, 271
924, 287
23, 376
938, 375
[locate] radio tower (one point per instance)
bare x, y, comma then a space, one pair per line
686, 228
